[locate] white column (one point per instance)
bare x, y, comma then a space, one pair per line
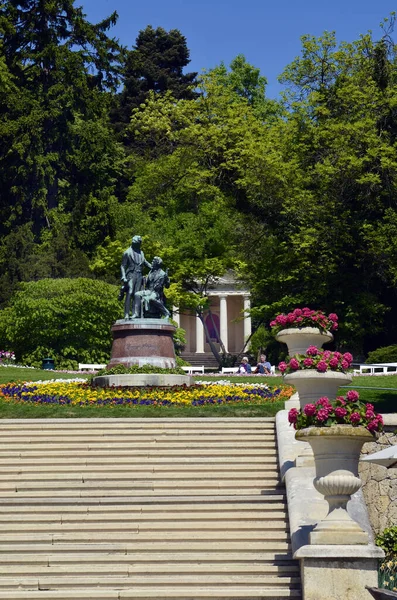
247, 318
199, 336
176, 316
223, 321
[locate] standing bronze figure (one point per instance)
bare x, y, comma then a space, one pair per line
132, 276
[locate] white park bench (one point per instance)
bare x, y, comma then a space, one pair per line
231, 370
376, 368
91, 367
190, 370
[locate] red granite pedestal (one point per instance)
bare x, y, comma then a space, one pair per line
143, 342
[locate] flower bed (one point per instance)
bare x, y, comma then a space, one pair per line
76, 393
346, 410
321, 360
388, 575
305, 317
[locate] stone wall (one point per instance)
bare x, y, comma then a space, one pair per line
379, 483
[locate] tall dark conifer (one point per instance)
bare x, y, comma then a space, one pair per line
47, 40
60, 64
60, 70
156, 63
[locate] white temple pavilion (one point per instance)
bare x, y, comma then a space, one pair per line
230, 322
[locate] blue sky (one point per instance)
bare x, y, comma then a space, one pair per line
267, 33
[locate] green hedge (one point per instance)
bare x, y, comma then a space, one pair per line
68, 320
387, 354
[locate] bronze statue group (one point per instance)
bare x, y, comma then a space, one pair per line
144, 296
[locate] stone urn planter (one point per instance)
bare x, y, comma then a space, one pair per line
336, 452
312, 385
298, 340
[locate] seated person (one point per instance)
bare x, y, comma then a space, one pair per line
263, 366
245, 367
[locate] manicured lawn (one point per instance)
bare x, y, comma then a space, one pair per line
384, 399
23, 411
8, 374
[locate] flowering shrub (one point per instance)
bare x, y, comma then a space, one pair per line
305, 317
6, 357
315, 358
346, 410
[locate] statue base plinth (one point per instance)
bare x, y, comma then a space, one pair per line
142, 380
143, 342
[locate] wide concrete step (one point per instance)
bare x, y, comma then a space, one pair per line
29, 437
15, 436
242, 468
142, 433
135, 461
172, 593
159, 443
146, 452
115, 569
132, 474
160, 505
157, 508
92, 524
26, 523
130, 423
128, 581
126, 479
89, 501
121, 494
155, 560
197, 425
86, 483
271, 521
71, 514
62, 544
85, 496
150, 482
138, 535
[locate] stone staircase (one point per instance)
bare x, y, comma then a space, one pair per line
205, 359
119, 509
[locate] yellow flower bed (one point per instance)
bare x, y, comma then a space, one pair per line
82, 394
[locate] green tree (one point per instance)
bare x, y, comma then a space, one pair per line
246, 81
50, 49
58, 159
324, 247
155, 64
